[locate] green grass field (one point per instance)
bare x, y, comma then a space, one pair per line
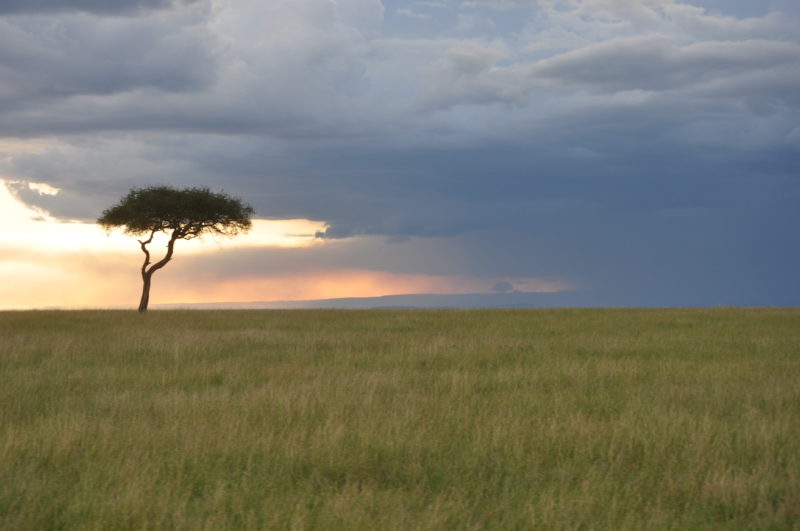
451, 419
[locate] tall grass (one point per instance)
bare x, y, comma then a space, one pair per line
473, 419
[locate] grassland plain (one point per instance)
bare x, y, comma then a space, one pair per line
438, 419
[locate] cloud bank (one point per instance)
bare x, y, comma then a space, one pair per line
647, 146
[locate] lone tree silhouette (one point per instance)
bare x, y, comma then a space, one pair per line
183, 214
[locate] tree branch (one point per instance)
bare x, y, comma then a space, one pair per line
146, 252
176, 234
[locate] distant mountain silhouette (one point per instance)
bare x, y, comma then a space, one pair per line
514, 299
419, 300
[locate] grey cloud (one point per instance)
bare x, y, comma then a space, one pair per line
695, 21
563, 26
90, 173
750, 71
605, 19
405, 192
284, 68
70, 204
495, 4
468, 73
771, 90
656, 64
105, 7
45, 59
503, 286
253, 75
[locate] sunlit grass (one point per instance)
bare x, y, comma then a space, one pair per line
501, 419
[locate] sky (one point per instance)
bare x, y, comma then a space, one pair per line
630, 152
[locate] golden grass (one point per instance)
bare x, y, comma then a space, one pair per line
464, 419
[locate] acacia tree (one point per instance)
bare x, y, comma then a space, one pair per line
183, 214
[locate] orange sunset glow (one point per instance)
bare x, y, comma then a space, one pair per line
46, 263
335, 284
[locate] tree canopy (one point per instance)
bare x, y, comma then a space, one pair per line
186, 213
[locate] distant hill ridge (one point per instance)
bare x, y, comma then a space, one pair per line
418, 300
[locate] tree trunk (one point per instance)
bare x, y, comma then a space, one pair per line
147, 272
145, 300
